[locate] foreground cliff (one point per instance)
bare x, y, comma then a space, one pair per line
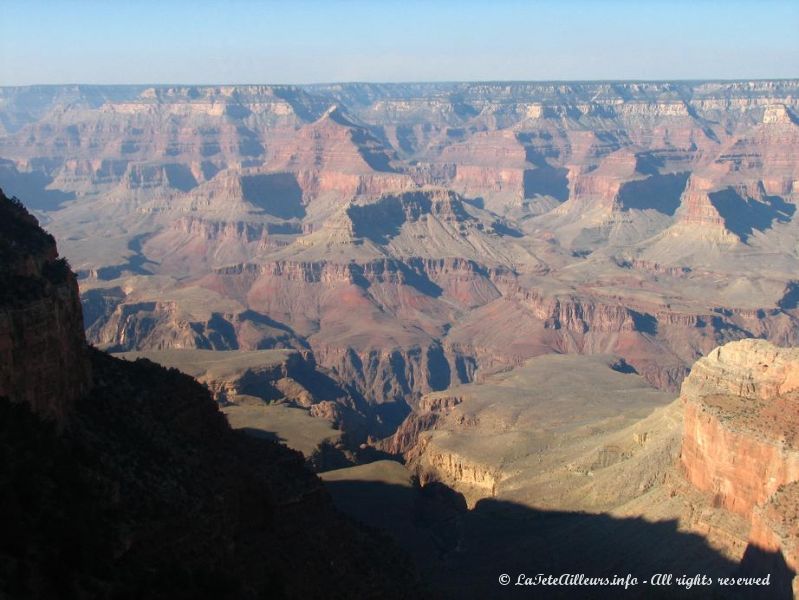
123, 480
41, 325
741, 439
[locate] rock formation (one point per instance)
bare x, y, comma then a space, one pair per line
279, 392
42, 345
521, 435
741, 438
417, 236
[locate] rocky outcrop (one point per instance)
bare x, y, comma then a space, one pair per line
599, 187
741, 437
159, 325
581, 314
392, 379
473, 478
734, 445
749, 369
315, 183
42, 349
423, 418
697, 208
118, 324
391, 211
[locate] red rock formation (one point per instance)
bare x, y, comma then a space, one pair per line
740, 470
741, 438
281, 200
599, 187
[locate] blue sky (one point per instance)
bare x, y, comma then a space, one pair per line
245, 41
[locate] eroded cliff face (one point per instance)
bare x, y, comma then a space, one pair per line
741, 437
741, 470
775, 527
42, 349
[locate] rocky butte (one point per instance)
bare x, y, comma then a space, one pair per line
741, 438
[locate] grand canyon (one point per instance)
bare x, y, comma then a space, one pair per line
513, 327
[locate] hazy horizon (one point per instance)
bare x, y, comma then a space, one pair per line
167, 84
304, 43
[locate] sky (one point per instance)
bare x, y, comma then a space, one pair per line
246, 41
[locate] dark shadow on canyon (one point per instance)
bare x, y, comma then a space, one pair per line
743, 216
790, 299
380, 222
644, 322
372, 151
32, 187
505, 230
546, 181
656, 192
263, 434
180, 177
277, 194
462, 552
649, 163
756, 561
137, 263
260, 320
411, 274
406, 139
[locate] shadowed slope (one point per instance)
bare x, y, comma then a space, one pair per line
462, 552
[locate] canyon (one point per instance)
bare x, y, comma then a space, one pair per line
472, 306
412, 237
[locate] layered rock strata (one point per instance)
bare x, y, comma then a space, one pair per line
741, 438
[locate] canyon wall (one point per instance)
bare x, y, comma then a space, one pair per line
418, 236
42, 346
741, 438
